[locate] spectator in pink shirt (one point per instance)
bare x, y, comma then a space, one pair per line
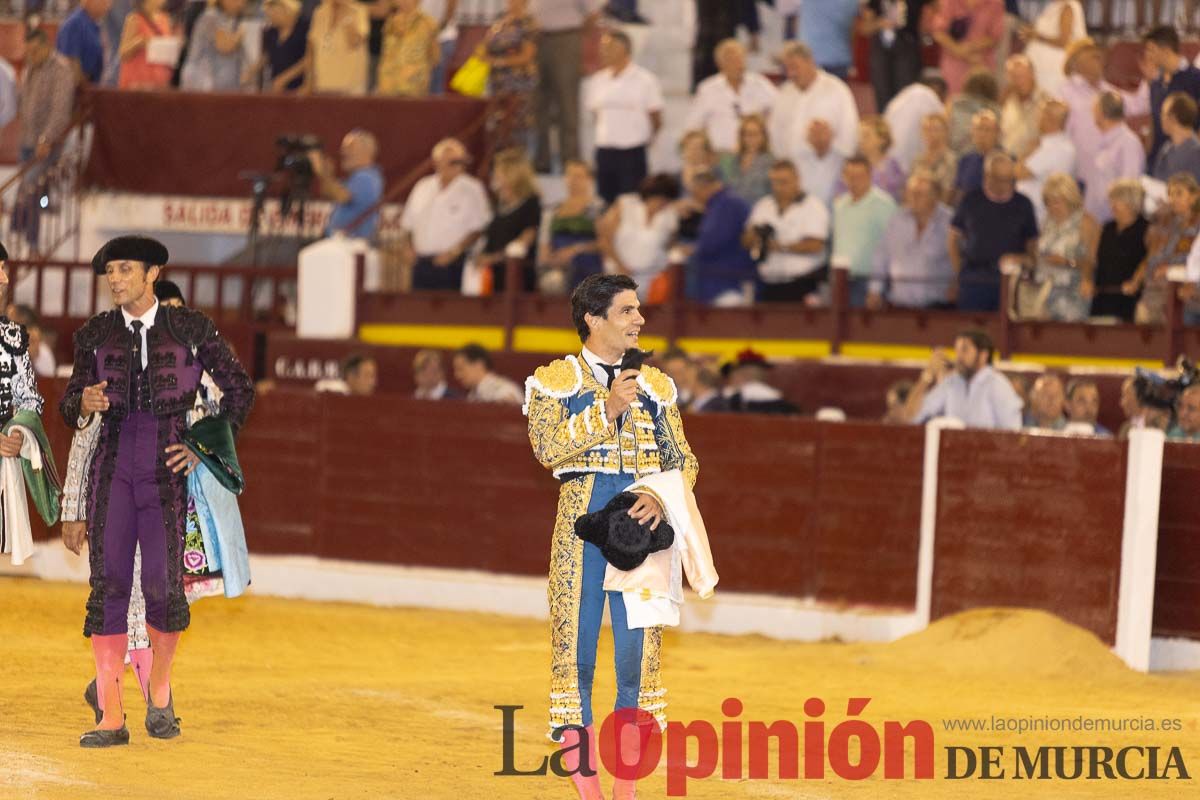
968, 32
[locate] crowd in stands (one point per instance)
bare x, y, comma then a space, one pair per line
1014, 154
1030, 158
1031, 165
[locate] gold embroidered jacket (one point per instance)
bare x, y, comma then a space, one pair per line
571, 434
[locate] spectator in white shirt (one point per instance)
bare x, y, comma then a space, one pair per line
814, 122
725, 98
787, 232
443, 217
635, 233
473, 369
906, 112
1054, 152
627, 102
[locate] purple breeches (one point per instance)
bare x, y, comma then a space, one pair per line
135, 517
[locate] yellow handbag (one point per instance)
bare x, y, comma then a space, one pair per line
472, 77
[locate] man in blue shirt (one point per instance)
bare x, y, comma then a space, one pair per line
1175, 75
361, 190
826, 26
82, 40
970, 389
721, 271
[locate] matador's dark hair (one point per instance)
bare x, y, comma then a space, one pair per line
594, 296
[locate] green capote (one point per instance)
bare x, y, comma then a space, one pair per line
211, 438
44, 485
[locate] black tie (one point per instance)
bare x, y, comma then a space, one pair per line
611, 371
136, 351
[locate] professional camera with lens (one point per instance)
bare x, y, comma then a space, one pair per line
294, 168
1155, 391
293, 156
764, 235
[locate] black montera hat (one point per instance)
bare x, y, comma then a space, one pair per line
150, 252
624, 542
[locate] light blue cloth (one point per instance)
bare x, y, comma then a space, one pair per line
8, 93
222, 530
825, 26
987, 401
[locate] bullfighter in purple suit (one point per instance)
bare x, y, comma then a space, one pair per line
139, 367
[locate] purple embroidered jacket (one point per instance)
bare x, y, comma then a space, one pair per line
181, 345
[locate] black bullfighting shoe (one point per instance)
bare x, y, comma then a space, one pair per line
161, 723
93, 699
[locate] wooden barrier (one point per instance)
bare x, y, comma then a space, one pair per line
1028, 520
858, 388
795, 508
1177, 585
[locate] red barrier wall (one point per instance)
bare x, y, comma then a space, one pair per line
417, 486
215, 137
794, 507
1031, 521
1177, 588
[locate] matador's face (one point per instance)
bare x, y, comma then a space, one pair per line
619, 330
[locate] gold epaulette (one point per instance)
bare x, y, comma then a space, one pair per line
558, 379
658, 385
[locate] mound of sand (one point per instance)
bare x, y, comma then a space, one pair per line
1010, 640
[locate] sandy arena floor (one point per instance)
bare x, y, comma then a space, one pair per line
295, 700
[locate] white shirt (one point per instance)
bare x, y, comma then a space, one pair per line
622, 104
1193, 262
717, 108
594, 361
819, 176
147, 320
807, 219
436, 393
827, 98
1055, 152
438, 217
642, 243
904, 115
437, 10
493, 388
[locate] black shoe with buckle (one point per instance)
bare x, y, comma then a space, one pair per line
105, 738
161, 723
92, 698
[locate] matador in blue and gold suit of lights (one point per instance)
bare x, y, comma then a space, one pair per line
595, 460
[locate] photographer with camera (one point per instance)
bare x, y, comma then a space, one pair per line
786, 234
361, 190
